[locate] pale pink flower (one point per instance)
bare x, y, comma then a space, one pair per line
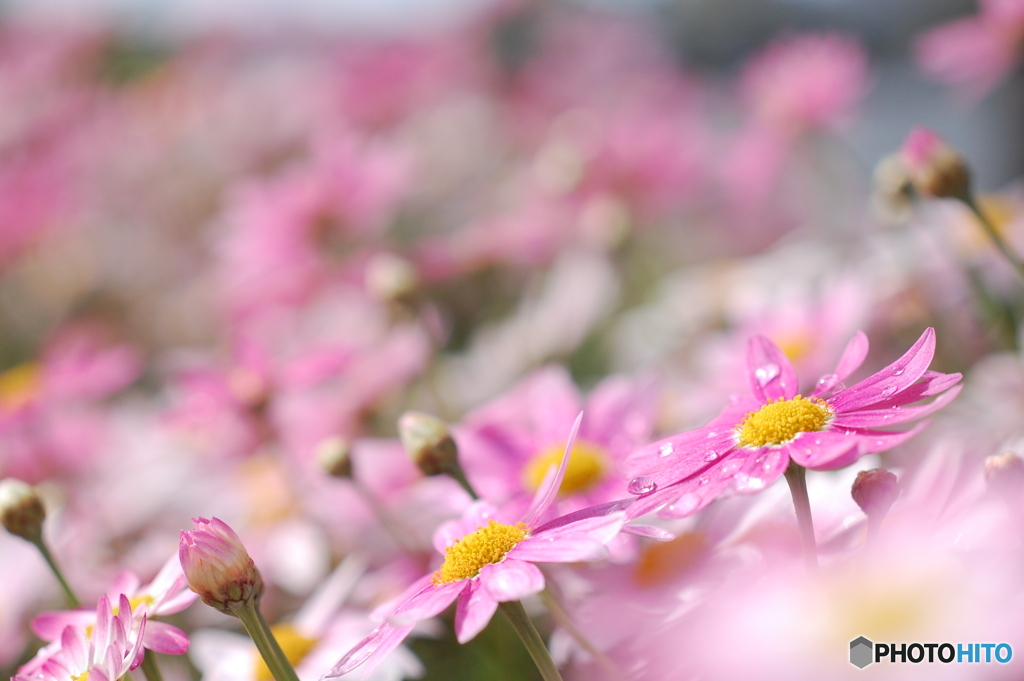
167, 594
488, 562
752, 442
217, 566
106, 652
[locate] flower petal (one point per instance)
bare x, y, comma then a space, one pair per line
769, 371
867, 418
822, 450
873, 441
601, 528
570, 548
511, 580
165, 638
474, 611
891, 380
549, 487
853, 356
379, 643
427, 602
649, 531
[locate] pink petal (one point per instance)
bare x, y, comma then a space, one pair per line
891, 380
474, 611
769, 371
511, 580
589, 512
546, 495
853, 356
429, 601
569, 548
821, 450
873, 441
601, 528
379, 643
893, 415
49, 625
165, 638
679, 457
649, 532
620, 410
553, 400
932, 383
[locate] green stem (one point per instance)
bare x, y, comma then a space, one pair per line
150, 668
266, 644
520, 621
994, 235
796, 477
562, 618
69, 595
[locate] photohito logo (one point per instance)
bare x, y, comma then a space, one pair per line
863, 652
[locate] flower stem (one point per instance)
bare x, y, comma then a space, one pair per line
994, 235
515, 613
150, 668
795, 476
266, 644
69, 595
459, 476
562, 618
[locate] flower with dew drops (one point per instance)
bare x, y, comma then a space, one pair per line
490, 561
752, 442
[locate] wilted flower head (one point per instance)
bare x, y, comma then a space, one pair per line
936, 169
21, 509
217, 566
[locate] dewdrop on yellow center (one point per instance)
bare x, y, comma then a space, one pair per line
779, 422
294, 645
586, 468
486, 545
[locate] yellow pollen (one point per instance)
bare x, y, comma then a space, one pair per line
84, 676
486, 545
19, 385
294, 645
587, 467
778, 422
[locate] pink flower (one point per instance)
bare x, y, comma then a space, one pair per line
217, 566
489, 562
167, 594
752, 442
105, 652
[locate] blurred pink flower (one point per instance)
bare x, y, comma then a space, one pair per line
488, 562
976, 52
752, 442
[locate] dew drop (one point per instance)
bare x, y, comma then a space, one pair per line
710, 456
641, 485
685, 505
665, 449
712, 434
703, 480
765, 374
898, 372
889, 390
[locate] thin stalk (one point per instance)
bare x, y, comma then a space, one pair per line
459, 476
266, 644
150, 668
994, 235
69, 595
562, 618
796, 477
516, 615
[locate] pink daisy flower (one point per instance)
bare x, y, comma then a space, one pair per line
752, 442
488, 562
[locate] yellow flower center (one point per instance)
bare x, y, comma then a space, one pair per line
661, 562
586, 468
795, 346
486, 545
19, 385
137, 601
778, 422
84, 676
294, 645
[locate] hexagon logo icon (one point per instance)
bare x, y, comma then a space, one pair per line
861, 652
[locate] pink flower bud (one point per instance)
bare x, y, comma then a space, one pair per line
936, 169
21, 509
428, 442
875, 491
217, 566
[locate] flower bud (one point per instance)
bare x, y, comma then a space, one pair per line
334, 456
936, 169
875, 491
391, 279
428, 442
218, 567
1004, 474
21, 509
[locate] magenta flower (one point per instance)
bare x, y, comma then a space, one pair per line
752, 442
217, 566
488, 562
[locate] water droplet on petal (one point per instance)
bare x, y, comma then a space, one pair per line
703, 480
641, 485
889, 390
710, 456
712, 434
729, 469
665, 449
765, 374
685, 505
897, 372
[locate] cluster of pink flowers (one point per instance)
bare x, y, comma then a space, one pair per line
362, 342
